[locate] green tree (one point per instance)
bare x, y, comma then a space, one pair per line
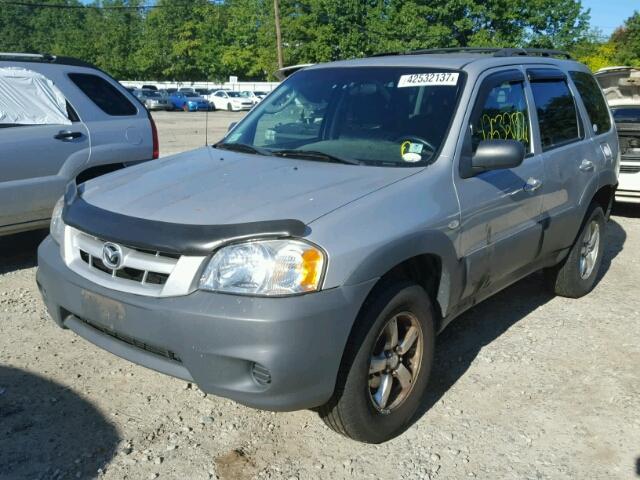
627, 41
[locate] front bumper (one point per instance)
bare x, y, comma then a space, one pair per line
158, 106
213, 339
628, 187
193, 107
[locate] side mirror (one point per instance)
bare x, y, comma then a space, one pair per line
231, 125
497, 154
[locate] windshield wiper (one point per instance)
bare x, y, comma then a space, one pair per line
241, 147
314, 155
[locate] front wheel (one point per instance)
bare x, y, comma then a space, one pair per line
577, 275
386, 365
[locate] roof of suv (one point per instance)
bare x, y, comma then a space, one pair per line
44, 58
459, 58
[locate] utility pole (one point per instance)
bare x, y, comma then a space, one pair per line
276, 13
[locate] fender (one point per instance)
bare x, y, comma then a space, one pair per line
431, 242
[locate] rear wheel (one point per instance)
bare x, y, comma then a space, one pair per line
577, 275
386, 365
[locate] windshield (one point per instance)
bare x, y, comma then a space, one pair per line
150, 94
384, 116
192, 95
626, 115
234, 94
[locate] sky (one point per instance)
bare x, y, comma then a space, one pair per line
607, 15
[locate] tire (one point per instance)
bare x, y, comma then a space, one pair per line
576, 276
229, 107
185, 108
352, 411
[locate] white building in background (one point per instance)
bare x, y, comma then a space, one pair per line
235, 86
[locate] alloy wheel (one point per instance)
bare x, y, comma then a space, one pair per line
589, 250
395, 362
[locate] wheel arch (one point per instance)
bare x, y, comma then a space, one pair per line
428, 259
605, 197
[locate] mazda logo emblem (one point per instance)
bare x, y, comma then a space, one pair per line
112, 255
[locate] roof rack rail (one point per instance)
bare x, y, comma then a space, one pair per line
28, 56
496, 52
44, 58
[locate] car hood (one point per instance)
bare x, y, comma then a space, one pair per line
214, 187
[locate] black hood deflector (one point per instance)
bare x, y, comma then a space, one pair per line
183, 239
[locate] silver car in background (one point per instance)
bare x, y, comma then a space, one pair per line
99, 127
153, 100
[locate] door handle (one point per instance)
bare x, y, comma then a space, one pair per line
532, 185
67, 136
586, 166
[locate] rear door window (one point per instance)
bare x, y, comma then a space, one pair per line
557, 113
103, 94
593, 101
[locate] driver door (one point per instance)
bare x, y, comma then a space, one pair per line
500, 209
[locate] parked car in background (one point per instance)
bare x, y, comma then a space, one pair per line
186, 90
255, 99
171, 90
621, 86
149, 87
153, 100
189, 102
63, 120
310, 258
203, 92
231, 101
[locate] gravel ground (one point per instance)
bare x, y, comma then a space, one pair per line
525, 386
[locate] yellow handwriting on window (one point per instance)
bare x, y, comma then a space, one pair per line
505, 126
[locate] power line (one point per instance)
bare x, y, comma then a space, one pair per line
98, 7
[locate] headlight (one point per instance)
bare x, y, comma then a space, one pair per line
265, 267
57, 225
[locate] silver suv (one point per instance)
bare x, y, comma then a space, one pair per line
100, 128
309, 259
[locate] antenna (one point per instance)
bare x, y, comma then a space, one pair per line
206, 121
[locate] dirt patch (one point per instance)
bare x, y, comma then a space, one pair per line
235, 465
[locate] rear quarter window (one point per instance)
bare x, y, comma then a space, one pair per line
103, 94
593, 101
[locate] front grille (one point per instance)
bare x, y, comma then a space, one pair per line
127, 273
141, 266
134, 342
629, 168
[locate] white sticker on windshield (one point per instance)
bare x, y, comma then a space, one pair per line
428, 79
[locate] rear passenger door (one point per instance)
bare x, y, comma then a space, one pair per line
500, 209
120, 127
571, 162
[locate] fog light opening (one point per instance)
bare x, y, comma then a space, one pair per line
261, 374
